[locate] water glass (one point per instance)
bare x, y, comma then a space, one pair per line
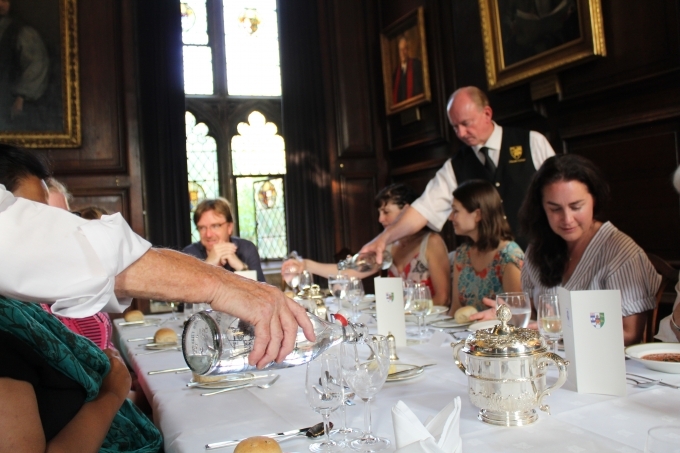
306, 280
548, 316
369, 364
337, 284
345, 433
292, 276
409, 286
355, 293
421, 305
324, 395
663, 439
520, 307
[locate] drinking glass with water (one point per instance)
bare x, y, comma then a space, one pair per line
520, 307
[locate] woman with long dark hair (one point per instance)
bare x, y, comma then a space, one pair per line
570, 244
489, 262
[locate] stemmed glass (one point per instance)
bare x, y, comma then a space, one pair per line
338, 284
174, 307
346, 362
369, 365
409, 286
421, 305
292, 276
324, 395
520, 307
355, 293
549, 321
306, 280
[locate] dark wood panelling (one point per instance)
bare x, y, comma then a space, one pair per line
638, 163
359, 212
111, 200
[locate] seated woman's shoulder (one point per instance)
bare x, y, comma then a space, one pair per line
512, 252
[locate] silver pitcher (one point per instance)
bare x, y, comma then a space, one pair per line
506, 368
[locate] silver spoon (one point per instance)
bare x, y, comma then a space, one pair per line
245, 386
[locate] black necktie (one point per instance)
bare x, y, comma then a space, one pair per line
488, 163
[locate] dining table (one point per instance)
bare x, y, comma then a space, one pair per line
577, 423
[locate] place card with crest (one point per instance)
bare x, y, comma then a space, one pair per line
593, 341
389, 306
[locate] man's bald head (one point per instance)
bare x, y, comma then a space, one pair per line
470, 115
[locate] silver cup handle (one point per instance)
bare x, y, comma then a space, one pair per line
561, 364
456, 349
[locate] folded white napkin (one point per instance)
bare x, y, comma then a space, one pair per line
440, 435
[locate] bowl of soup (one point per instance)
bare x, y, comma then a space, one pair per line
663, 357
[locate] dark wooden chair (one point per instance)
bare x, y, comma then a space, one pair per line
669, 276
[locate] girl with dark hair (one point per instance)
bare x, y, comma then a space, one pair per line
420, 257
489, 262
572, 247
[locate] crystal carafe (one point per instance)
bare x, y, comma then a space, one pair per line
216, 343
364, 262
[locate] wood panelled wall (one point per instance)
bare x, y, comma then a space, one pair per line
106, 170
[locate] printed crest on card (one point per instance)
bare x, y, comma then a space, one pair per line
597, 320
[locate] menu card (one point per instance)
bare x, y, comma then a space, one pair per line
389, 305
593, 341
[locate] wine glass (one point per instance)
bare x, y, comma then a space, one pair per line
355, 293
520, 307
421, 305
345, 433
292, 276
369, 365
324, 395
174, 308
337, 284
306, 280
663, 439
549, 321
409, 286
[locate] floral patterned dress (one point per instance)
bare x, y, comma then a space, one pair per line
473, 285
417, 269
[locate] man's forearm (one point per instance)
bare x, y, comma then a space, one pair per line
409, 222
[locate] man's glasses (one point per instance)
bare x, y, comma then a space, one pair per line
214, 227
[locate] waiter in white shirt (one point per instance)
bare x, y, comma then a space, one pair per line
507, 157
84, 266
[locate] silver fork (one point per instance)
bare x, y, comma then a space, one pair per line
640, 384
244, 386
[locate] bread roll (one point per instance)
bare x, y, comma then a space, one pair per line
258, 444
462, 315
133, 315
165, 335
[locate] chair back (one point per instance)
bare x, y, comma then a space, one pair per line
669, 275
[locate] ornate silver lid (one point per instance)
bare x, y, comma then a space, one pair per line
504, 340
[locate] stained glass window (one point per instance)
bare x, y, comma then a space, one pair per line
201, 166
198, 73
258, 159
252, 48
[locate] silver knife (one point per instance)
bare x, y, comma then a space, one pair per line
139, 339
410, 370
229, 443
658, 383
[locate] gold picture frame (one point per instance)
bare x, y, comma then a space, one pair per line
52, 119
406, 75
521, 42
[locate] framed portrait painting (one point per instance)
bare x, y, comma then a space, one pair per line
404, 63
525, 38
39, 85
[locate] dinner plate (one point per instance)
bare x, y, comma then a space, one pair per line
145, 323
159, 346
369, 298
483, 324
409, 372
230, 380
363, 305
638, 351
448, 323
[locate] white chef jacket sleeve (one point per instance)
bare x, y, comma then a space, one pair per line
666, 333
52, 256
540, 148
435, 202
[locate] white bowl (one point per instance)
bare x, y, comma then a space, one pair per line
638, 351
483, 324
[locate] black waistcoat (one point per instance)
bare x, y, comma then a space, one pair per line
513, 175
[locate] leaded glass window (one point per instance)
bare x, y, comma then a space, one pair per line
252, 48
201, 166
258, 159
198, 73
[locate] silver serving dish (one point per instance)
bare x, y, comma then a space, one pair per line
506, 368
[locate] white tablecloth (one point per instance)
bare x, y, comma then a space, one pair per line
579, 423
